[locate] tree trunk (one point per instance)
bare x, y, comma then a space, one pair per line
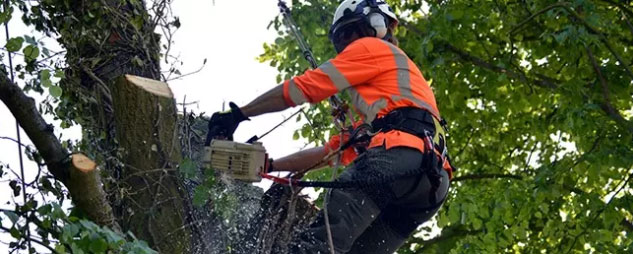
145, 120
132, 130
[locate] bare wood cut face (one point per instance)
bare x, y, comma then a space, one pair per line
83, 163
152, 86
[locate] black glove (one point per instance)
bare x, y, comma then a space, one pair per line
223, 124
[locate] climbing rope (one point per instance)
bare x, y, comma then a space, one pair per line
17, 125
338, 108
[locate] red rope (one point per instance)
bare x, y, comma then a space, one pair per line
279, 180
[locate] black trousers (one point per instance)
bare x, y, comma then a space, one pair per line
379, 218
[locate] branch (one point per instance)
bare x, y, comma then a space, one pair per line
531, 17
628, 22
606, 106
77, 171
603, 38
448, 234
33, 240
544, 81
617, 189
619, 5
16, 141
41, 133
566, 6
486, 176
628, 226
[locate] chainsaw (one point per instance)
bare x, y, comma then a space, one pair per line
237, 160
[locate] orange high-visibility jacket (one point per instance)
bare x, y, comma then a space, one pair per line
379, 77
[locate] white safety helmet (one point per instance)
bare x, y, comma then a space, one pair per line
375, 12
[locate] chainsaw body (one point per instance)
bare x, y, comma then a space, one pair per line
238, 160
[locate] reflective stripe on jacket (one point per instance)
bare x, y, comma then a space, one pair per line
379, 78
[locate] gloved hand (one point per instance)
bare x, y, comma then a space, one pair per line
223, 124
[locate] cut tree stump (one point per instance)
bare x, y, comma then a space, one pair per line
146, 130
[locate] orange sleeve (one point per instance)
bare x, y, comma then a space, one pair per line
289, 101
355, 65
334, 143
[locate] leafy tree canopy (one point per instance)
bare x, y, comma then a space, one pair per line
539, 99
538, 96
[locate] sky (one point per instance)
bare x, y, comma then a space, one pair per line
230, 35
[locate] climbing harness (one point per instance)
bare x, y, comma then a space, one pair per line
433, 162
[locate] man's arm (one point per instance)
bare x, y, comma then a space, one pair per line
301, 160
271, 101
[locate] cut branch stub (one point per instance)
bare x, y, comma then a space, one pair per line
83, 163
78, 174
87, 194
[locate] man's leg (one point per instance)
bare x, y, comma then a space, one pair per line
350, 213
350, 210
399, 220
380, 237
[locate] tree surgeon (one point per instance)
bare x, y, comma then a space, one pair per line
388, 91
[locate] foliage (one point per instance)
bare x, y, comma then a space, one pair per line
94, 36
217, 193
538, 95
539, 99
56, 229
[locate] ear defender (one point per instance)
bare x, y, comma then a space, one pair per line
378, 22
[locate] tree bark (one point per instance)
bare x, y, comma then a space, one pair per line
145, 120
77, 172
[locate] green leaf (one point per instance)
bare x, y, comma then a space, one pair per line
5, 15
14, 44
45, 78
477, 223
137, 22
12, 216
45, 74
15, 233
98, 246
188, 168
113, 237
305, 132
137, 61
60, 248
60, 74
200, 196
45, 209
31, 53
58, 212
453, 214
47, 83
89, 225
55, 91
457, 14
30, 40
